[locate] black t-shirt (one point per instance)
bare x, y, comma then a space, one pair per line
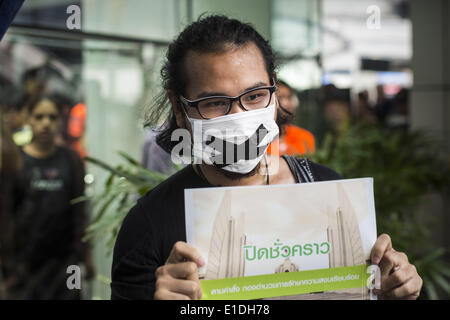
43, 216
157, 221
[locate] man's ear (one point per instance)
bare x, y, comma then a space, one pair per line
177, 109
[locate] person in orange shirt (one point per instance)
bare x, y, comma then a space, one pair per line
292, 140
76, 128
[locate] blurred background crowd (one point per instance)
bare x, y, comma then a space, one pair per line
364, 87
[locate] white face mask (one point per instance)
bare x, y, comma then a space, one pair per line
235, 142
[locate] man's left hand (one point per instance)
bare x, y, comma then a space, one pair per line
399, 278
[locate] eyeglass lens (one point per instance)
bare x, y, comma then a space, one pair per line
216, 107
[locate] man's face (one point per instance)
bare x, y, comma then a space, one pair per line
228, 73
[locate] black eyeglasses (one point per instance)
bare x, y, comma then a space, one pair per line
216, 106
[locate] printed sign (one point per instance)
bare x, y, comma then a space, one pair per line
299, 241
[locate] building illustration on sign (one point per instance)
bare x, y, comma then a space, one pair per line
226, 251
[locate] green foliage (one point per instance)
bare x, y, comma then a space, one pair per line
405, 167
126, 182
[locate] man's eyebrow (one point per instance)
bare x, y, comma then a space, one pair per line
205, 94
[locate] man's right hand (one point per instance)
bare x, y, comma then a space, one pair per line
178, 278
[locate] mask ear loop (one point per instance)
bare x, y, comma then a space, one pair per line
182, 107
186, 122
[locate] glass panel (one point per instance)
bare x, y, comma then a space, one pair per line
45, 13
296, 37
126, 18
114, 80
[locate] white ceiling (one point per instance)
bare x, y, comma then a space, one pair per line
349, 38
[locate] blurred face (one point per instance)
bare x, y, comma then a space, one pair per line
44, 121
337, 114
15, 119
287, 99
228, 73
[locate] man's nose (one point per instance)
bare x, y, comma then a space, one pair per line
236, 107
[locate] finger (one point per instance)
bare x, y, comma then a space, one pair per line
168, 295
382, 244
398, 277
407, 290
391, 262
188, 288
165, 282
183, 270
183, 251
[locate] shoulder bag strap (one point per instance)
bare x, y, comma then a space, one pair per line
301, 169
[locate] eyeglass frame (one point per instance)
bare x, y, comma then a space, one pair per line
194, 103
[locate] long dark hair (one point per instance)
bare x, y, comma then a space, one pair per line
210, 34
33, 101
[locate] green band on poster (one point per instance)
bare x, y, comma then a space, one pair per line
283, 284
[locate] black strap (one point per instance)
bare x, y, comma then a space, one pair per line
300, 168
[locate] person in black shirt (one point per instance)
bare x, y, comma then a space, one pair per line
219, 76
47, 227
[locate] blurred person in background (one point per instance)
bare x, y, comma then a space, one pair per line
11, 119
335, 104
383, 106
75, 133
154, 157
36, 80
77, 119
12, 101
47, 79
402, 102
337, 116
365, 110
397, 117
292, 140
47, 227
